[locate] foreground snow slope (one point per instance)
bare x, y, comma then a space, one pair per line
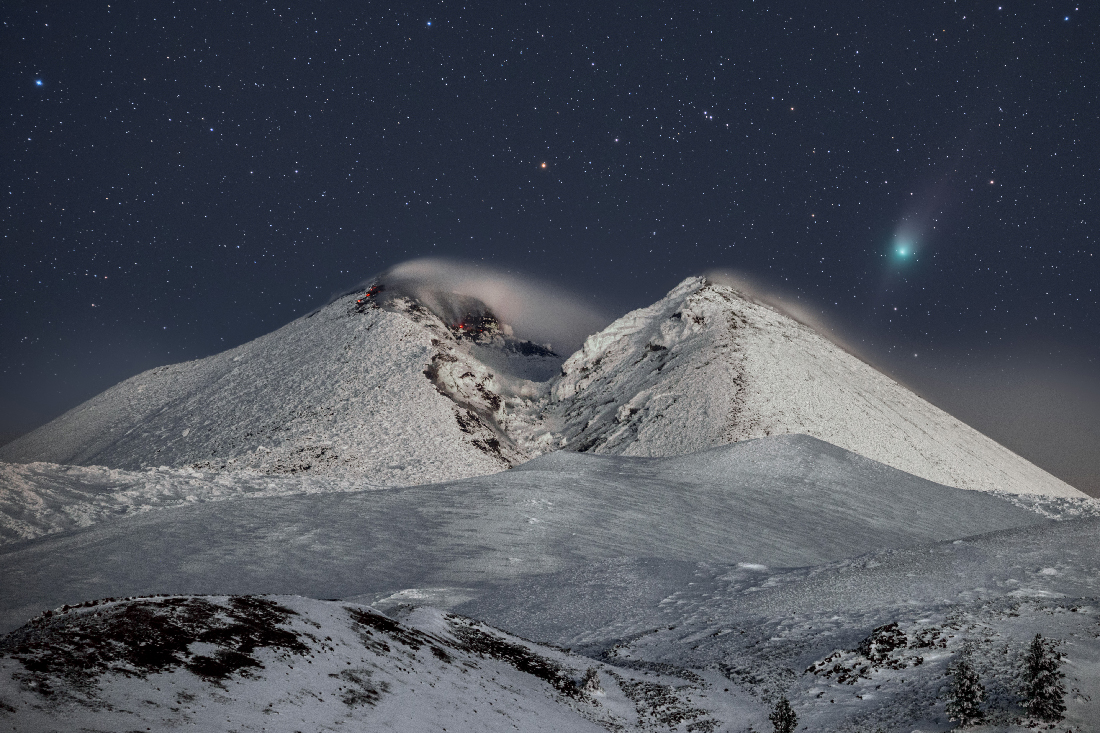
293, 664
781, 501
861, 644
343, 390
684, 628
707, 365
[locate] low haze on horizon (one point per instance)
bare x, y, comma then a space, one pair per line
922, 178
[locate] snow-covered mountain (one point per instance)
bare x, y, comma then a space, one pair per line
374, 384
400, 387
707, 365
692, 554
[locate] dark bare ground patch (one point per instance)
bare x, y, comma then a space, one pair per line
142, 636
371, 621
881, 642
875, 652
360, 690
662, 705
473, 639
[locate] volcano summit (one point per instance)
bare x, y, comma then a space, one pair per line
405, 386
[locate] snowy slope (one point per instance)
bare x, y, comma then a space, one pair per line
707, 365
781, 501
292, 664
861, 644
44, 498
381, 389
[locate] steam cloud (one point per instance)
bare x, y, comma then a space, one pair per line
537, 311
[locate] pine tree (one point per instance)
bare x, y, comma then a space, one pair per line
966, 695
783, 717
590, 684
1044, 692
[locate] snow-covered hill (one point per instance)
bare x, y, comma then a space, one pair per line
777, 502
707, 365
861, 644
672, 602
294, 664
373, 385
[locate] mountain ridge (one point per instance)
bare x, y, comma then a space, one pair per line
403, 390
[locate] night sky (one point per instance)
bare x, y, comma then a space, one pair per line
182, 177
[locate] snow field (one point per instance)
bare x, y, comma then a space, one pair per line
782, 501
860, 644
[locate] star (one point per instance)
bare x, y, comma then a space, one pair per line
38, 82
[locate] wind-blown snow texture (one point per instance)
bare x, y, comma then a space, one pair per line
387, 390
781, 501
44, 498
